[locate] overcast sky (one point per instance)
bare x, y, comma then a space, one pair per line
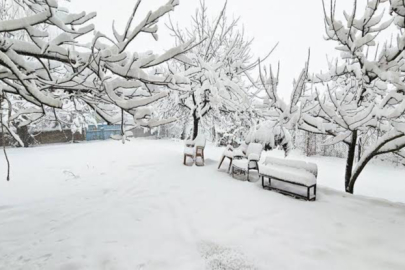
296, 24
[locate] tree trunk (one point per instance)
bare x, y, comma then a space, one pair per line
350, 187
23, 133
183, 135
307, 144
215, 135
324, 148
350, 160
196, 121
294, 137
359, 150
365, 160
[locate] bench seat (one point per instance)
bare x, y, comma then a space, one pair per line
249, 161
294, 175
241, 164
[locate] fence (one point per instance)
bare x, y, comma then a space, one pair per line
102, 132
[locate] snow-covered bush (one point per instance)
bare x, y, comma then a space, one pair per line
272, 135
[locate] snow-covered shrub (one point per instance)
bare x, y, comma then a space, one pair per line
271, 135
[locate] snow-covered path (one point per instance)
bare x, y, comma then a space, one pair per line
105, 205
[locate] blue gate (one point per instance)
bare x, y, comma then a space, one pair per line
102, 132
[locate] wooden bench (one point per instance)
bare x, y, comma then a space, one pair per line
293, 174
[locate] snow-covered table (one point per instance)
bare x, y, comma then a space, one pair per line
292, 174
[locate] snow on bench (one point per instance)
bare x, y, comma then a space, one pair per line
230, 153
293, 172
194, 149
248, 162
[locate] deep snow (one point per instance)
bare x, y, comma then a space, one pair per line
104, 205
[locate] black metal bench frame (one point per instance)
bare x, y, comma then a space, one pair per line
286, 192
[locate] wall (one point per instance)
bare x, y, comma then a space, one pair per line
57, 136
47, 137
140, 133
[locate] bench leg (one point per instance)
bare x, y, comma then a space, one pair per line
306, 197
230, 165
309, 193
315, 193
256, 168
185, 160
308, 189
202, 159
222, 160
263, 180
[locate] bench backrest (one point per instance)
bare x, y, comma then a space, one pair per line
254, 148
200, 140
189, 143
243, 147
297, 164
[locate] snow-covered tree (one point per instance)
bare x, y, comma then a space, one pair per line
218, 97
362, 95
365, 91
51, 73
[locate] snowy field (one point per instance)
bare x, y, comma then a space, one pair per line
105, 205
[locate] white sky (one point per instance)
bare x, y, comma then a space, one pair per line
296, 24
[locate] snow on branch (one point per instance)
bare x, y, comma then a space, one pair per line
43, 70
215, 70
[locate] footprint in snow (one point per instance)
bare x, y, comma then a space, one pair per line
223, 258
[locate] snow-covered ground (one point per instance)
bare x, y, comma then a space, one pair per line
104, 205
